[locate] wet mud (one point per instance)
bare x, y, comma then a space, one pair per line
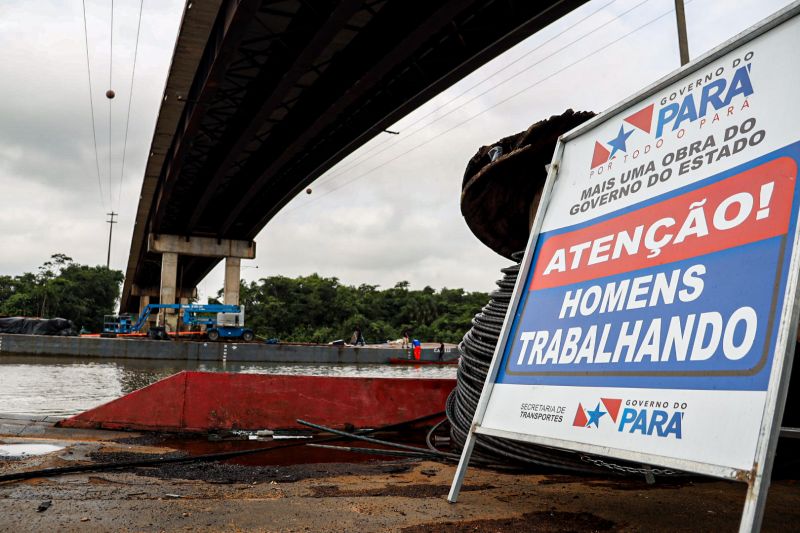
622, 483
367, 496
233, 473
229, 472
539, 522
407, 491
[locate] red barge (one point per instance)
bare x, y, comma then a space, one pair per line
211, 401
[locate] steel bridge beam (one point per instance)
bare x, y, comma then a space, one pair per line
256, 108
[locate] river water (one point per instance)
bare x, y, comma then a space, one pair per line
64, 386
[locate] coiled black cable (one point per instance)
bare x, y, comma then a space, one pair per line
477, 349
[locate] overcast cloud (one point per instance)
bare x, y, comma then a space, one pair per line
389, 212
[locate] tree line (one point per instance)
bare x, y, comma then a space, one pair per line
302, 309
65, 289
319, 309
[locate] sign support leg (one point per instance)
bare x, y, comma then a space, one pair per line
461, 471
754, 504
758, 487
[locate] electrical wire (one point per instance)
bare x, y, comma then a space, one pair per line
500, 83
362, 158
91, 104
110, 85
476, 115
130, 99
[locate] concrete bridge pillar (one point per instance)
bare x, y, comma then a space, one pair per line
149, 295
171, 246
233, 273
169, 281
144, 301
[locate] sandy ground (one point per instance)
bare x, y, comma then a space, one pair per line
378, 496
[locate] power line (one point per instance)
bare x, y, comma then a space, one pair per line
491, 88
91, 104
362, 158
110, 97
130, 99
111, 46
504, 100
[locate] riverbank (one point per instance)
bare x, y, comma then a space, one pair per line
384, 495
191, 350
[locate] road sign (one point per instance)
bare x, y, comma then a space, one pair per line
655, 313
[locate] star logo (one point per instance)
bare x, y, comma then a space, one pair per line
611, 405
594, 416
641, 120
618, 143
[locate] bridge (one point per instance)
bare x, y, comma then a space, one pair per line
264, 96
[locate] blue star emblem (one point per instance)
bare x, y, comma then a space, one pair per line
618, 143
594, 416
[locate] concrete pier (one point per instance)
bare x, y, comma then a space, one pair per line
233, 273
172, 246
169, 275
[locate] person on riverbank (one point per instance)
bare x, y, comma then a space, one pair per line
357, 338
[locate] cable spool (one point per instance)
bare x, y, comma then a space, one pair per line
477, 349
500, 190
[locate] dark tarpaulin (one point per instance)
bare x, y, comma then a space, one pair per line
37, 326
503, 181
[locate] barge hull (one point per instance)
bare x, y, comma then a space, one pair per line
210, 401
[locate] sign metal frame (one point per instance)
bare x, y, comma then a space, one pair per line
757, 478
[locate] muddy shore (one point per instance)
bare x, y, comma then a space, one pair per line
382, 495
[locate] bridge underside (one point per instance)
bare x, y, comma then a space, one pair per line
265, 96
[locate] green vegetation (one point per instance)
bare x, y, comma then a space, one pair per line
316, 309
62, 288
304, 309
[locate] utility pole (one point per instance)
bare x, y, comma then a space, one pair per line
111, 223
683, 42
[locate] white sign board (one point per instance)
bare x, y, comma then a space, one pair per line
656, 304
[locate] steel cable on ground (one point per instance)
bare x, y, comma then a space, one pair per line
130, 99
91, 104
363, 157
219, 456
430, 433
476, 115
383, 442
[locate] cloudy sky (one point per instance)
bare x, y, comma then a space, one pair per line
388, 212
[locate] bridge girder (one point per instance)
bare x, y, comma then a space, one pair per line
264, 96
